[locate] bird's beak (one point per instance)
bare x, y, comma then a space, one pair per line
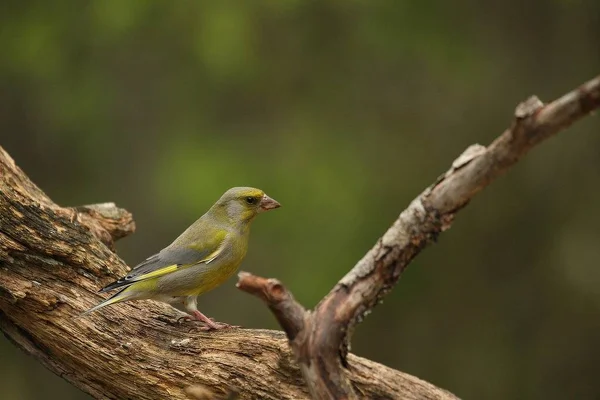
267, 203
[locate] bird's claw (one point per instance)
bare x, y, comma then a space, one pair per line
208, 324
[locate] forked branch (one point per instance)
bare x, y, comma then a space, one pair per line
54, 259
320, 341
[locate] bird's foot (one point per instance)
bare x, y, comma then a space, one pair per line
215, 326
209, 324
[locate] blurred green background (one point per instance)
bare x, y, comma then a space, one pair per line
343, 111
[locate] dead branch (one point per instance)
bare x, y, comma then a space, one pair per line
52, 262
319, 339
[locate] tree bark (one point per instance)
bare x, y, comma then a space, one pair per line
54, 259
52, 262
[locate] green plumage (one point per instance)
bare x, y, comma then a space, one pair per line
200, 259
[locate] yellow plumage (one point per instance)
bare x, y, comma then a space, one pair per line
200, 259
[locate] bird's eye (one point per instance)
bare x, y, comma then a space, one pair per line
250, 200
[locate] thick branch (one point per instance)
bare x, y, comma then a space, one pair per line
328, 329
51, 266
53, 260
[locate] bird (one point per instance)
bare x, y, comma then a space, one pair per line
203, 257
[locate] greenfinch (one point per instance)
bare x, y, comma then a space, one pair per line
199, 260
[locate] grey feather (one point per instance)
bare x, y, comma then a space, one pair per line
171, 255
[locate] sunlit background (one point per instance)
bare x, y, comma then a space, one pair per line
343, 111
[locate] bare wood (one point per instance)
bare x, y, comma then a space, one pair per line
52, 262
321, 347
53, 259
289, 313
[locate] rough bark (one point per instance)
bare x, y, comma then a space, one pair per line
320, 338
53, 260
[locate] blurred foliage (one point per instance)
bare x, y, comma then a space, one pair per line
343, 111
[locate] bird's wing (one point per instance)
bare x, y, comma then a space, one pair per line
175, 257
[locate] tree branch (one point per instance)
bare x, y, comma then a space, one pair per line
288, 312
53, 259
323, 345
52, 262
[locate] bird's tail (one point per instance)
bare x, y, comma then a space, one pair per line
121, 295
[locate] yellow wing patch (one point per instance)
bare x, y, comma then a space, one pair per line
172, 268
155, 274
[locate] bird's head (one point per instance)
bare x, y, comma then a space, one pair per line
243, 203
